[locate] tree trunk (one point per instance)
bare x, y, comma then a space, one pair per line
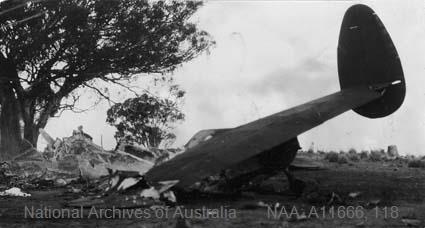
17, 105
31, 134
10, 115
10, 131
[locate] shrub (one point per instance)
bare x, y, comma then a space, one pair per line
410, 157
416, 164
321, 152
364, 154
332, 156
375, 155
352, 151
342, 159
401, 161
353, 157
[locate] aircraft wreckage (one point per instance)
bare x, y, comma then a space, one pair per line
220, 160
372, 85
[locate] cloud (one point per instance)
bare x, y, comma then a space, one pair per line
309, 79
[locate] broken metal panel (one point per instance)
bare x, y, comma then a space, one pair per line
49, 140
243, 142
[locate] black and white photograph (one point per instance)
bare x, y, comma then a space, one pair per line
212, 113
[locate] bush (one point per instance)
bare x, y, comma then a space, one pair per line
352, 151
375, 155
364, 154
332, 156
353, 157
401, 161
342, 159
416, 164
321, 152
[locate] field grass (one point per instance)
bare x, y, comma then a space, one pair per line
376, 188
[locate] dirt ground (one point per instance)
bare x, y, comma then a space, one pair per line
383, 194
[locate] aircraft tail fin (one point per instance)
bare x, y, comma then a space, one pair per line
368, 57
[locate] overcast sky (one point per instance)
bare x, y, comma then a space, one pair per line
273, 55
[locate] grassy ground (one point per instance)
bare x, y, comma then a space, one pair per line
386, 194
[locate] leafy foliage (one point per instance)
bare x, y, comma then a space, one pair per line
376, 155
416, 163
332, 156
146, 120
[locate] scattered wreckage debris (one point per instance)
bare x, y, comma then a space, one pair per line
14, 192
80, 156
410, 222
99, 175
354, 194
116, 177
153, 155
101, 178
127, 189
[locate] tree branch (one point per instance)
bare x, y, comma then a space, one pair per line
99, 92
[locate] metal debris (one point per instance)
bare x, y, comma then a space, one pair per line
14, 192
128, 189
79, 156
108, 176
335, 199
354, 194
411, 222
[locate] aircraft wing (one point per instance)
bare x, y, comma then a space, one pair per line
235, 145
